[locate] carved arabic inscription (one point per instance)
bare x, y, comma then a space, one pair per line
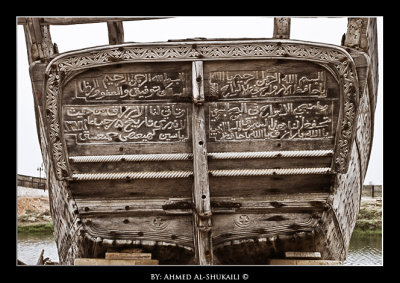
127, 123
256, 84
131, 86
230, 121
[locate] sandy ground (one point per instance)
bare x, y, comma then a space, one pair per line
33, 210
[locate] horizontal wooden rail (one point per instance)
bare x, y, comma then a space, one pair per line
85, 20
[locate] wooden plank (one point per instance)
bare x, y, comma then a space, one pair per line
125, 255
281, 27
302, 254
127, 250
261, 185
248, 225
85, 20
102, 261
115, 32
303, 262
140, 188
201, 191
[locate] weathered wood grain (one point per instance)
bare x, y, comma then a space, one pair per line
153, 229
83, 20
115, 32
302, 254
281, 27
253, 218
262, 185
304, 262
125, 255
201, 189
133, 188
102, 261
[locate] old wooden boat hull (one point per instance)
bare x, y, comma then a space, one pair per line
206, 152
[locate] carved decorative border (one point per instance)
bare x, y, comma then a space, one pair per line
66, 65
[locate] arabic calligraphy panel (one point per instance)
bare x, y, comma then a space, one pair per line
130, 82
138, 86
259, 84
233, 121
133, 123
260, 79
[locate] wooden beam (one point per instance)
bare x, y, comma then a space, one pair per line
125, 255
85, 20
308, 255
201, 190
281, 28
102, 261
115, 32
38, 40
304, 262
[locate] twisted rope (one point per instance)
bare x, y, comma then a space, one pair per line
134, 157
189, 156
269, 172
133, 175
270, 154
185, 174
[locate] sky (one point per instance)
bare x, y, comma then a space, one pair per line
315, 29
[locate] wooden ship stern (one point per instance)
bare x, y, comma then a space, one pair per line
205, 152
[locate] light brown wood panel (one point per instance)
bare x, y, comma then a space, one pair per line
304, 262
102, 261
276, 145
169, 229
114, 255
127, 166
127, 148
141, 188
266, 163
263, 185
241, 226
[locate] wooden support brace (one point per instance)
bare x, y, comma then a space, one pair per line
115, 32
38, 40
201, 192
281, 28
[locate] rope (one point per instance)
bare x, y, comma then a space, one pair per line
133, 175
186, 174
189, 156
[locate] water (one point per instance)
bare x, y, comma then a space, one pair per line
30, 246
365, 250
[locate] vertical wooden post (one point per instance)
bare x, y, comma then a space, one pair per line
201, 192
38, 40
115, 32
373, 190
281, 28
356, 35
